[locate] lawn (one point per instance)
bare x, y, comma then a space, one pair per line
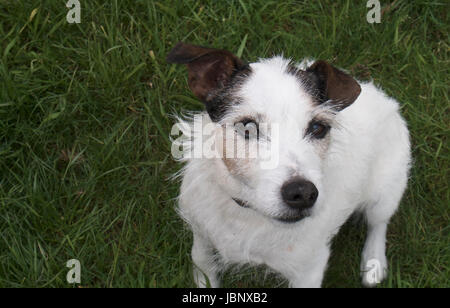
86, 111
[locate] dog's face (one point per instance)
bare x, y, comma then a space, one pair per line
284, 112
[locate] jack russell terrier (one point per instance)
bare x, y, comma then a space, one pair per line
297, 150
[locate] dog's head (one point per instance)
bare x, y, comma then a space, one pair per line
285, 112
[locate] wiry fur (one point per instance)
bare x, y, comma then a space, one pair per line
362, 165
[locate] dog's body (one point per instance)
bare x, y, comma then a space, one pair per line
357, 161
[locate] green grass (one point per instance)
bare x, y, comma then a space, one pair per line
85, 116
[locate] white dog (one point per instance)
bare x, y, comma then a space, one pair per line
341, 147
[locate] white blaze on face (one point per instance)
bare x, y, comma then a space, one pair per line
277, 100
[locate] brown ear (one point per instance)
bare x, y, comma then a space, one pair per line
208, 69
334, 85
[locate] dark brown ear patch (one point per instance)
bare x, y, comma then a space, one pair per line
209, 70
334, 85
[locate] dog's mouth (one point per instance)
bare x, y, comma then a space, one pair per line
292, 218
241, 202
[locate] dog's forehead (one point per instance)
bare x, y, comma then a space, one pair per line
273, 89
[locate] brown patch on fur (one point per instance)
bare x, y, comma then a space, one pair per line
236, 165
232, 165
322, 146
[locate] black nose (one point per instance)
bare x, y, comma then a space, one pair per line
299, 193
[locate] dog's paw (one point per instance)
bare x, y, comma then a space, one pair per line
202, 281
373, 271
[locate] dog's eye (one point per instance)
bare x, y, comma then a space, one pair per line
318, 130
247, 128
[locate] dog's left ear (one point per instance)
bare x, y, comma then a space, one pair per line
334, 85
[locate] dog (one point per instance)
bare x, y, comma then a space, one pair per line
342, 147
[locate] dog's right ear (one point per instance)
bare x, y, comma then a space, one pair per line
209, 69
334, 85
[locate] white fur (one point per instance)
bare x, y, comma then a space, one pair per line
364, 168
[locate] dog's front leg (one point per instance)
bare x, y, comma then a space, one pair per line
374, 262
205, 266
